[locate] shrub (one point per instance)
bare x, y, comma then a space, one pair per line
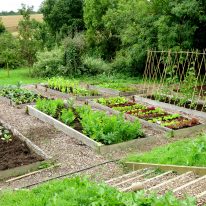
93, 66
49, 63
73, 51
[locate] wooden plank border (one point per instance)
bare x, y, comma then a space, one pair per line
25, 168
98, 147
177, 168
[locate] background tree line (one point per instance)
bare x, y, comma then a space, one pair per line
94, 36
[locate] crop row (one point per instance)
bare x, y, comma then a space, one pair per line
149, 113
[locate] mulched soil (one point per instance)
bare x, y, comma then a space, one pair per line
15, 153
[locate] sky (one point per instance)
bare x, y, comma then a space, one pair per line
14, 5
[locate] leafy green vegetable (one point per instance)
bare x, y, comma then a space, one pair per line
67, 116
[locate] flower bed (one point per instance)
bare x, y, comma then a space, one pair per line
149, 113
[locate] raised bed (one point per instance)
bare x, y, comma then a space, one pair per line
17, 96
98, 147
171, 107
184, 132
198, 104
177, 168
19, 154
113, 92
66, 95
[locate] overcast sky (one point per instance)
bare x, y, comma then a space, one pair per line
14, 5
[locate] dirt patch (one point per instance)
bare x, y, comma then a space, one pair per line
15, 153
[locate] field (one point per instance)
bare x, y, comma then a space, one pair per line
11, 22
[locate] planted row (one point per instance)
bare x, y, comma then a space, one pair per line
149, 113
18, 95
95, 124
179, 101
70, 86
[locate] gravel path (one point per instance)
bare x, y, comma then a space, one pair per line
72, 154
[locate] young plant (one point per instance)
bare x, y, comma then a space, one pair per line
67, 116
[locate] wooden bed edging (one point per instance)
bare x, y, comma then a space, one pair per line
98, 147
177, 168
17, 171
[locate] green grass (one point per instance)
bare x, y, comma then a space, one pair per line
81, 192
188, 152
18, 75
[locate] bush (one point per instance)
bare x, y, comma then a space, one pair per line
94, 66
73, 51
49, 63
2, 27
9, 51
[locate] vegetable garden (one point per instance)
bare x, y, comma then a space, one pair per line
111, 118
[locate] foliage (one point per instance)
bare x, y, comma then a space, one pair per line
80, 191
2, 27
74, 48
50, 107
108, 129
63, 16
49, 63
5, 134
136, 26
174, 153
9, 51
99, 39
67, 116
70, 86
18, 95
94, 66
28, 43
112, 101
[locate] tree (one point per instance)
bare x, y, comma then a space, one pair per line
2, 27
28, 43
101, 40
63, 16
9, 51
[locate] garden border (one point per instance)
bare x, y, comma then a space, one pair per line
21, 170
98, 147
177, 168
183, 132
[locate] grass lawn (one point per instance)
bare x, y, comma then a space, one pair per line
188, 152
18, 75
81, 192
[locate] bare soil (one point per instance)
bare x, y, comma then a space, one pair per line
16, 153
